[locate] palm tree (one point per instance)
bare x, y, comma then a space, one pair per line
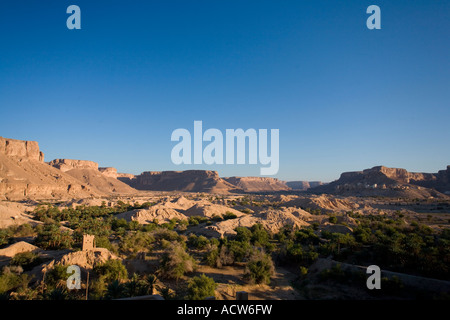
151, 282
115, 290
132, 286
58, 294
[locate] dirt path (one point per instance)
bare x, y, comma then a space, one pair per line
229, 280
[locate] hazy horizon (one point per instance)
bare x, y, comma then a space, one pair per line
344, 98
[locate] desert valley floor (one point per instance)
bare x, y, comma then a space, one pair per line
195, 235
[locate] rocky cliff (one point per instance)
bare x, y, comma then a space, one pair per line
303, 185
88, 172
385, 181
109, 172
189, 180
26, 150
258, 184
24, 175
69, 164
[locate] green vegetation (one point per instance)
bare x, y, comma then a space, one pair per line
259, 268
26, 260
391, 242
201, 287
111, 270
176, 262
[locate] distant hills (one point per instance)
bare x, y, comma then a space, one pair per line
390, 182
189, 180
303, 185
25, 175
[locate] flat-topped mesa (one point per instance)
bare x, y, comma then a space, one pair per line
379, 174
102, 179
69, 164
258, 184
392, 182
197, 173
189, 180
21, 149
303, 185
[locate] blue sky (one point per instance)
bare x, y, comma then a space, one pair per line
344, 97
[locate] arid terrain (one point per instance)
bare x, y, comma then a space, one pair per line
159, 232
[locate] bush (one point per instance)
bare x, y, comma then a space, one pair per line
199, 242
240, 250
111, 270
212, 255
103, 242
201, 287
259, 269
333, 219
136, 242
164, 234
195, 220
12, 278
116, 290
56, 277
119, 223
27, 260
229, 215
303, 271
243, 234
175, 262
260, 236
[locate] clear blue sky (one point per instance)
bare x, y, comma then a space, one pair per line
344, 97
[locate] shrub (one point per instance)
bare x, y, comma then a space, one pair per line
103, 242
175, 262
243, 234
12, 278
136, 242
56, 277
199, 242
164, 234
5, 236
303, 271
259, 269
240, 250
260, 237
201, 287
119, 223
27, 260
111, 270
212, 255
115, 290
195, 220
333, 219
229, 215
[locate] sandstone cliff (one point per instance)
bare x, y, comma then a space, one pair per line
258, 184
109, 172
190, 180
89, 173
303, 185
393, 182
24, 175
27, 150
69, 164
